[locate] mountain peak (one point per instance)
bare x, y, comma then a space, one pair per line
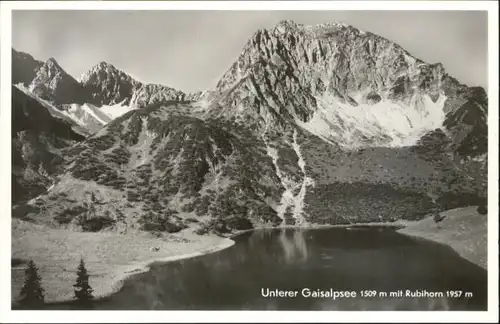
52, 63
336, 24
100, 68
299, 73
288, 23
105, 65
107, 84
54, 84
104, 70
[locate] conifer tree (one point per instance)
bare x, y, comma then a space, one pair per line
83, 291
32, 293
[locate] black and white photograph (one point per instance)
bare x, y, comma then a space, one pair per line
249, 158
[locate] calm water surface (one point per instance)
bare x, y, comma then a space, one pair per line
379, 260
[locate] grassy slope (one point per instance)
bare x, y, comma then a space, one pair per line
463, 229
107, 256
140, 166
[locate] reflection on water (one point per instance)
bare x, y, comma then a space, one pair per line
292, 259
294, 246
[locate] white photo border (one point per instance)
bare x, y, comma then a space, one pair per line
6, 315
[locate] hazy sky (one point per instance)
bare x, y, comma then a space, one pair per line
190, 50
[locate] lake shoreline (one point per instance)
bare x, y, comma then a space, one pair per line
143, 267
462, 229
399, 224
134, 269
112, 280
109, 258
112, 276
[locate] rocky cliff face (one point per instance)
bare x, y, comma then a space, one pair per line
310, 124
108, 85
152, 94
347, 86
52, 83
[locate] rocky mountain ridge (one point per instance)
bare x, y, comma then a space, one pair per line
347, 86
322, 124
103, 86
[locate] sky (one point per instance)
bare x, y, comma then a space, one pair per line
191, 50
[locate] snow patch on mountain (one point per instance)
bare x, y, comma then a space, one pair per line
385, 123
96, 113
87, 115
115, 111
291, 201
140, 151
287, 198
307, 181
83, 128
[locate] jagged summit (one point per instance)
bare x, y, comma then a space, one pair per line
108, 85
52, 62
101, 67
54, 84
288, 25
104, 64
345, 85
111, 86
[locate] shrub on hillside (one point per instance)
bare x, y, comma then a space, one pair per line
131, 137
132, 196
482, 209
119, 155
202, 205
288, 216
67, 215
171, 227
202, 229
218, 226
101, 143
96, 224
452, 200
187, 208
156, 222
238, 223
267, 215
